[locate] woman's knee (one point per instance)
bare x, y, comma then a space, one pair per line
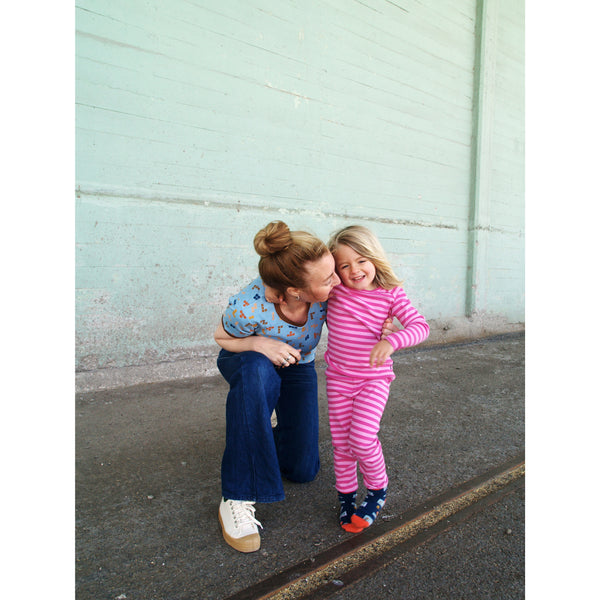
303, 471
245, 364
298, 454
257, 362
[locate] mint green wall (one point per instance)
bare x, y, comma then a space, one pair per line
496, 269
198, 123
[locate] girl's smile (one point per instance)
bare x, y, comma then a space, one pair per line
355, 271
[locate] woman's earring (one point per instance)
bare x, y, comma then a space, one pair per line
297, 297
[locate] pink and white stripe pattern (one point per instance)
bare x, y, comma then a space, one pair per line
355, 411
354, 322
356, 392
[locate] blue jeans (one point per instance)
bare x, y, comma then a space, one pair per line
256, 455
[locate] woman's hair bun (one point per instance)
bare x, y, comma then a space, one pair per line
273, 238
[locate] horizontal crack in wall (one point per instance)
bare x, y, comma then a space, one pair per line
229, 205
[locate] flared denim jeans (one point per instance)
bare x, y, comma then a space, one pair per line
256, 454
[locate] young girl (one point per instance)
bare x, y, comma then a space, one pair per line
359, 368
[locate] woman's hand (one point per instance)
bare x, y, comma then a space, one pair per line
388, 327
279, 353
381, 352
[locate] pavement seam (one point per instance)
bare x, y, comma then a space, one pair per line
369, 567
335, 568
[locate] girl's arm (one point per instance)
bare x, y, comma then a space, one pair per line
274, 350
416, 330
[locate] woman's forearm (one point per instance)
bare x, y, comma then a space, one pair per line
275, 350
234, 344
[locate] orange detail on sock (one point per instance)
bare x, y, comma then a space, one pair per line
351, 528
359, 522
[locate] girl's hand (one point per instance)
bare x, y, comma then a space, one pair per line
388, 327
279, 353
272, 295
381, 352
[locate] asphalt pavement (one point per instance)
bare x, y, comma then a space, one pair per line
148, 485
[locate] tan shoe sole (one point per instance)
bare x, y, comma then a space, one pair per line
248, 543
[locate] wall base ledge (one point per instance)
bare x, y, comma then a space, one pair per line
443, 331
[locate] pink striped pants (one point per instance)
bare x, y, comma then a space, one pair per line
355, 411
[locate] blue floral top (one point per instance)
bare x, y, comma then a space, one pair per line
249, 313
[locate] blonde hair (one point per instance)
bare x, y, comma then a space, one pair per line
284, 254
364, 242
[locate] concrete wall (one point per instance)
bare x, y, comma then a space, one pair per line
199, 122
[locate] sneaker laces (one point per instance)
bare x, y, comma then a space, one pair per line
243, 512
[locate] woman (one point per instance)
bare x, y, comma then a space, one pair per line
267, 357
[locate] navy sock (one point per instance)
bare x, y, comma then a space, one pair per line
367, 512
347, 507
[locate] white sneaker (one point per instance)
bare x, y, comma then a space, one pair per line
239, 525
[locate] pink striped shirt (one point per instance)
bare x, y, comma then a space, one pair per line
354, 322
